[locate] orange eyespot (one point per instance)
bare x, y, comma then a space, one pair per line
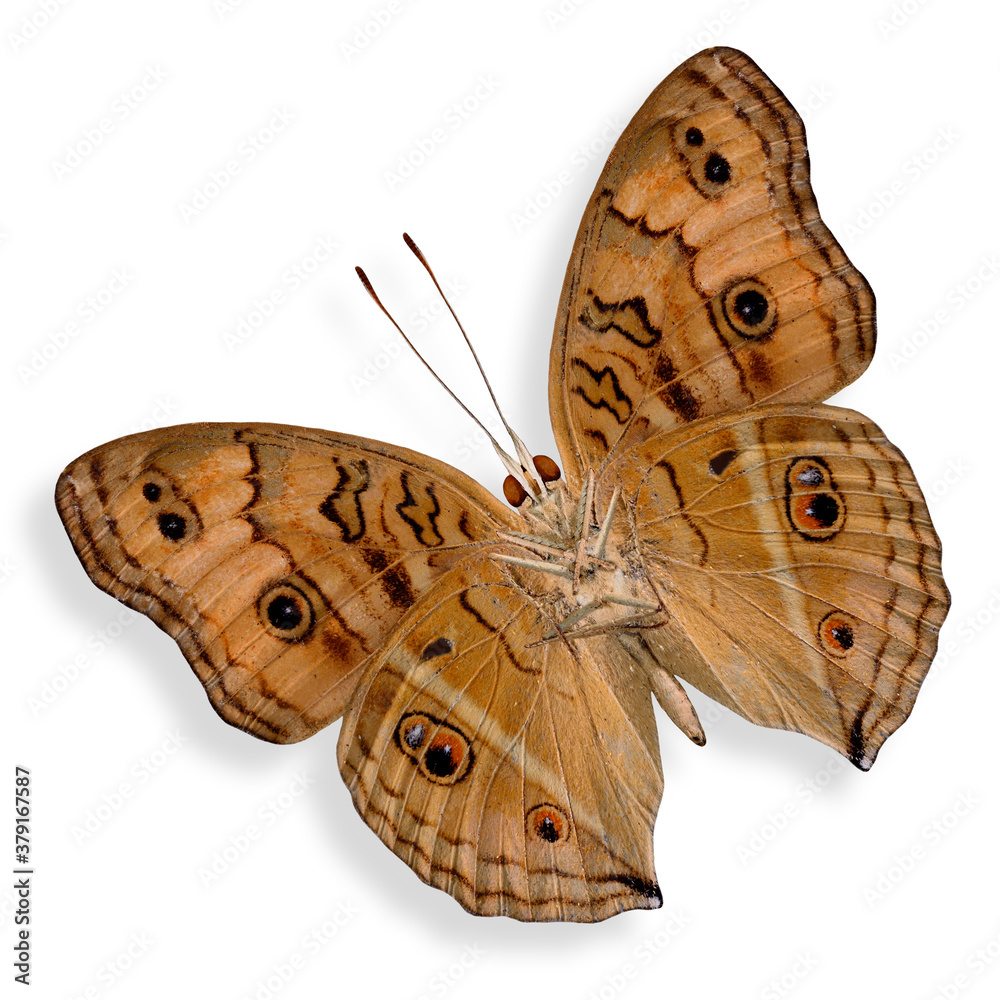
548, 823
837, 633
546, 468
816, 511
440, 751
445, 754
514, 492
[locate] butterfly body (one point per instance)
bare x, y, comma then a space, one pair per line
713, 524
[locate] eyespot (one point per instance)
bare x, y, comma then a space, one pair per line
151, 492
436, 648
719, 463
286, 611
817, 511
547, 823
749, 309
838, 633
172, 526
813, 504
440, 751
694, 137
444, 755
717, 169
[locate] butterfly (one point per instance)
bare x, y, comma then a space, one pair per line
711, 523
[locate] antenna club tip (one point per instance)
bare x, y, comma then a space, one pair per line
416, 251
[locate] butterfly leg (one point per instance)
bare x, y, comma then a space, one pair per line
581, 545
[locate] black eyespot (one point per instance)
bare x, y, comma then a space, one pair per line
284, 612
172, 526
843, 635
720, 462
546, 829
151, 492
748, 308
717, 169
751, 307
694, 137
820, 510
288, 609
440, 759
436, 648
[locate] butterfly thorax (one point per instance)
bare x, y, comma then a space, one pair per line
594, 581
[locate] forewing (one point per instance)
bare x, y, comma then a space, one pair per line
795, 555
278, 557
702, 279
522, 779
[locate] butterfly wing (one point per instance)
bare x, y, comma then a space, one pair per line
522, 779
702, 279
794, 553
279, 558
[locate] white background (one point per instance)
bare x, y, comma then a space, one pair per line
783, 871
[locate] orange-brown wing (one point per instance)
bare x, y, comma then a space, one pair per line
795, 556
702, 279
278, 557
521, 778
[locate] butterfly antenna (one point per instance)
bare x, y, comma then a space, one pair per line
509, 464
519, 446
